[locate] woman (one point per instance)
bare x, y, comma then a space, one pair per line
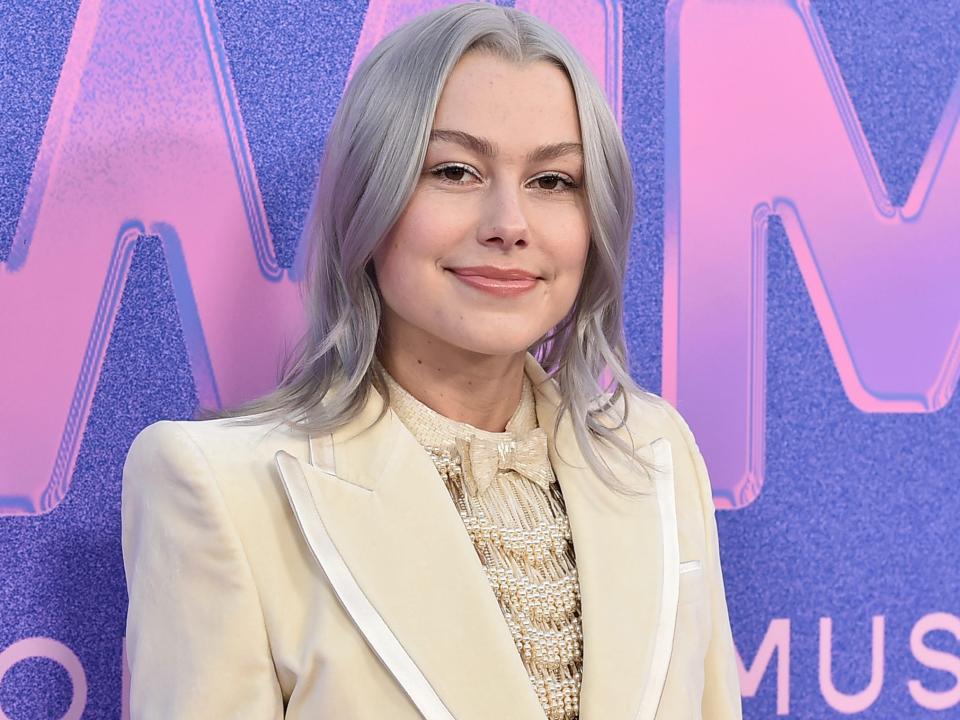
425, 520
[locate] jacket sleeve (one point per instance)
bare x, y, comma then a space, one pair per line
721, 691
196, 642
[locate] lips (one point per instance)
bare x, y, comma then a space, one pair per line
501, 282
494, 273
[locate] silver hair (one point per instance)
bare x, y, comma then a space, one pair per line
381, 130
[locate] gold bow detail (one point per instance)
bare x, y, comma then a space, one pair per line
481, 459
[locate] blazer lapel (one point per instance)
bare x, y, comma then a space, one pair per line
381, 524
628, 566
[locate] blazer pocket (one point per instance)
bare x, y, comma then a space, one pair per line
691, 582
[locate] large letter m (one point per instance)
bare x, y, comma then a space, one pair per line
759, 123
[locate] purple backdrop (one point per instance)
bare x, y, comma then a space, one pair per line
791, 287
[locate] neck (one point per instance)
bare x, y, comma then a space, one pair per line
481, 390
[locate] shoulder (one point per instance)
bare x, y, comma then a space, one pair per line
650, 417
221, 456
239, 438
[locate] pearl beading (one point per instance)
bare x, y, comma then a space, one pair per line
533, 576
524, 543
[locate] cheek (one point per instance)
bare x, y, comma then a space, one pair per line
569, 257
401, 250
578, 253
392, 263
570, 253
408, 261
425, 231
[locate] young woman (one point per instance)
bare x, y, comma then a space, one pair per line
441, 512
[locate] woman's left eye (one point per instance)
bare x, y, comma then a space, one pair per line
554, 182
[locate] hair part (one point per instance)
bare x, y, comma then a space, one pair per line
381, 130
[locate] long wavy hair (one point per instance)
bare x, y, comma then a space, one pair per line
381, 130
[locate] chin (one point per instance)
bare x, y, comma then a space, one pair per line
496, 345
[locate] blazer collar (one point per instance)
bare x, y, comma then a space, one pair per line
380, 522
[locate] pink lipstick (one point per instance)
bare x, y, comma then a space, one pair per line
502, 282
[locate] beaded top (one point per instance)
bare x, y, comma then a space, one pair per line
522, 537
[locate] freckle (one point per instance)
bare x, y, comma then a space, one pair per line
419, 362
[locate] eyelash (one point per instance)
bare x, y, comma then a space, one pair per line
440, 169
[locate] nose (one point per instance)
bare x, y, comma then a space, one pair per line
504, 222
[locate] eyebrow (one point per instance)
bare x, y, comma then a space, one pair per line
485, 148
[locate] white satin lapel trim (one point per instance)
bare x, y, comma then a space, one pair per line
376, 632
670, 590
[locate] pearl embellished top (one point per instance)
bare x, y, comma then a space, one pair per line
520, 531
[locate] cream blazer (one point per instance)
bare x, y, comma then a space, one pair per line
272, 575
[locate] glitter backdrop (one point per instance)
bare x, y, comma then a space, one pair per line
136, 132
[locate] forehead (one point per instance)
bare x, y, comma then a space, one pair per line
517, 106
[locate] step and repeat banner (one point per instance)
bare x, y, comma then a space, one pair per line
794, 287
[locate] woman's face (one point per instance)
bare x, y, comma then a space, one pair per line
489, 253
